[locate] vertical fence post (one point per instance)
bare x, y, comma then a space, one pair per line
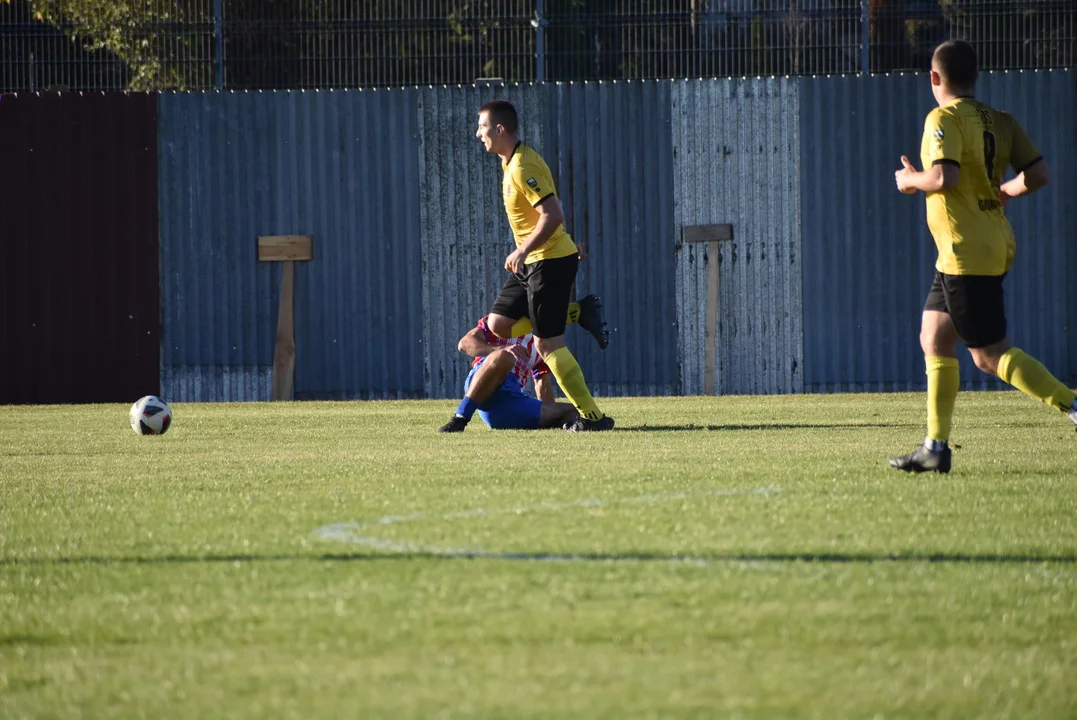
218, 44
539, 23
865, 37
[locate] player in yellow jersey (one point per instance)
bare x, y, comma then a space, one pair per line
543, 265
965, 150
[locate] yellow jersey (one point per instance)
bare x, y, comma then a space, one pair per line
526, 183
971, 232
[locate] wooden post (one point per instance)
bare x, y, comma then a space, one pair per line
287, 249
712, 235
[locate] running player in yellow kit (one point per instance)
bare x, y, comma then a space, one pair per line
965, 150
543, 265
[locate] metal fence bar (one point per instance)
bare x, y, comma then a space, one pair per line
218, 44
865, 37
540, 41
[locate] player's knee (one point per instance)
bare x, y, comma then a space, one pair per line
930, 337
502, 359
986, 362
545, 346
935, 341
927, 341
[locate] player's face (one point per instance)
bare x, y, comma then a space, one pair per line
486, 133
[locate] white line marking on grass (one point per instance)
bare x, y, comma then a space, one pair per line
348, 532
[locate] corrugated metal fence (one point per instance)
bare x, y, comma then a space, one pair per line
609, 145
819, 290
737, 159
342, 166
409, 234
868, 257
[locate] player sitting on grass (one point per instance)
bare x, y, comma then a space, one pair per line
495, 385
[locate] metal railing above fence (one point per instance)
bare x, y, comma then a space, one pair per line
255, 44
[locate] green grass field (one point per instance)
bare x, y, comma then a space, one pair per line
714, 557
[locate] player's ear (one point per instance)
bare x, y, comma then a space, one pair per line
936, 79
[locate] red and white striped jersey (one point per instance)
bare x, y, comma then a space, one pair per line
524, 370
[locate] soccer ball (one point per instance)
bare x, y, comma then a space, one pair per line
151, 416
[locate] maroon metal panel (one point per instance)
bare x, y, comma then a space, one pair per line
79, 300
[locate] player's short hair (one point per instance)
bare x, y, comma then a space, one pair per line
502, 112
955, 60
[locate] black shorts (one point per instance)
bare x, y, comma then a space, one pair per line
974, 303
541, 292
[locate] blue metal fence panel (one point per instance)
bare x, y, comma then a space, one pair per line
736, 149
217, 305
868, 257
1041, 297
609, 148
821, 290
339, 165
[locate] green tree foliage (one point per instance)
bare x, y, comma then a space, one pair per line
164, 43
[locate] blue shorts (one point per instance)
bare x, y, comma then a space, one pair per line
508, 408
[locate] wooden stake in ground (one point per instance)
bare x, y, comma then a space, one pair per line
287, 249
712, 235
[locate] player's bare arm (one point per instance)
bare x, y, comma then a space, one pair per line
475, 345
938, 177
1027, 181
544, 388
551, 216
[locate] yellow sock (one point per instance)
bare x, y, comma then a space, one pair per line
569, 377
523, 325
943, 382
1028, 375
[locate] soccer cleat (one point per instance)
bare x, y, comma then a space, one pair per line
1072, 414
923, 460
582, 424
591, 319
457, 424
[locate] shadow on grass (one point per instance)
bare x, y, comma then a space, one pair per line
706, 558
761, 426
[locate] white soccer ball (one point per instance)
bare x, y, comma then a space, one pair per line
151, 416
